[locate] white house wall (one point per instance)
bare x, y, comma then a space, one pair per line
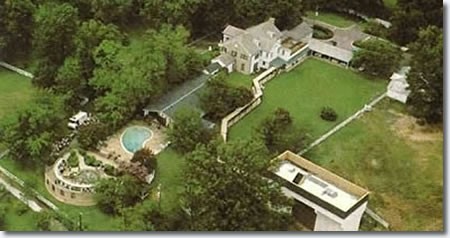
350, 223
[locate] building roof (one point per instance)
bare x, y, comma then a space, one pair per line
319, 185
262, 36
299, 32
232, 31
225, 59
330, 50
213, 68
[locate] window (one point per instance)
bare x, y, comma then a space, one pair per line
61, 192
244, 57
233, 53
224, 49
242, 67
53, 187
264, 63
47, 181
256, 56
72, 195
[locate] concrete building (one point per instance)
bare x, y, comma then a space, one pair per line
324, 201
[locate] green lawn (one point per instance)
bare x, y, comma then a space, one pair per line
404, 174
240, 80
15, 91
305, 90
335, 19
170, 176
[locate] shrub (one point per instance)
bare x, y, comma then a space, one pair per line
73, 159
328, 114
322, 33
92, 161
110, 170
146, 158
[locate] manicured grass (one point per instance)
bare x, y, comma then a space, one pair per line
335, 19
15, 91
305, 90
240, 80
170, 176
403, 173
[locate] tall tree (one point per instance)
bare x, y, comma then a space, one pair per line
411, 15
115, 194
112, 11
187, 131
222, 98
55, 28
377, 57
31, 133
426, 75
225, 190
279, 133
17, 28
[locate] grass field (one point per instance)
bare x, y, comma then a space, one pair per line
170, 176
398, 162
334, 19
305, 90
15, 91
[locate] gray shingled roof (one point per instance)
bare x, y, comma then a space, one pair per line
232, 31
226, 59
330, 50
299, 32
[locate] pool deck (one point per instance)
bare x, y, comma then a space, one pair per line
156, 143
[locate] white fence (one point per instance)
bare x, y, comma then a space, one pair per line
239, 113
343, 124
17, 70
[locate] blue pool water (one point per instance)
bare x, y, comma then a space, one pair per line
134, 137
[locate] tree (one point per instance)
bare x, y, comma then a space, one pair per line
30, 133
279, 133
89, 136
226, 191
112, 11
89, 36
44, 220
17, 28
54, 31
69, 81
146, 158
187, 131
158, 12
426, 76
377, 57
412, 15
115, 194
221, 98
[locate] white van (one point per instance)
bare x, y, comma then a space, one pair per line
77, 120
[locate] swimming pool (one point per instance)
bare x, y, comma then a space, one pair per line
135, 137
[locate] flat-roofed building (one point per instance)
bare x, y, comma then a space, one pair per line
324, 201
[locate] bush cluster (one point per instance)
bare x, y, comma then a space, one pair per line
328, 114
